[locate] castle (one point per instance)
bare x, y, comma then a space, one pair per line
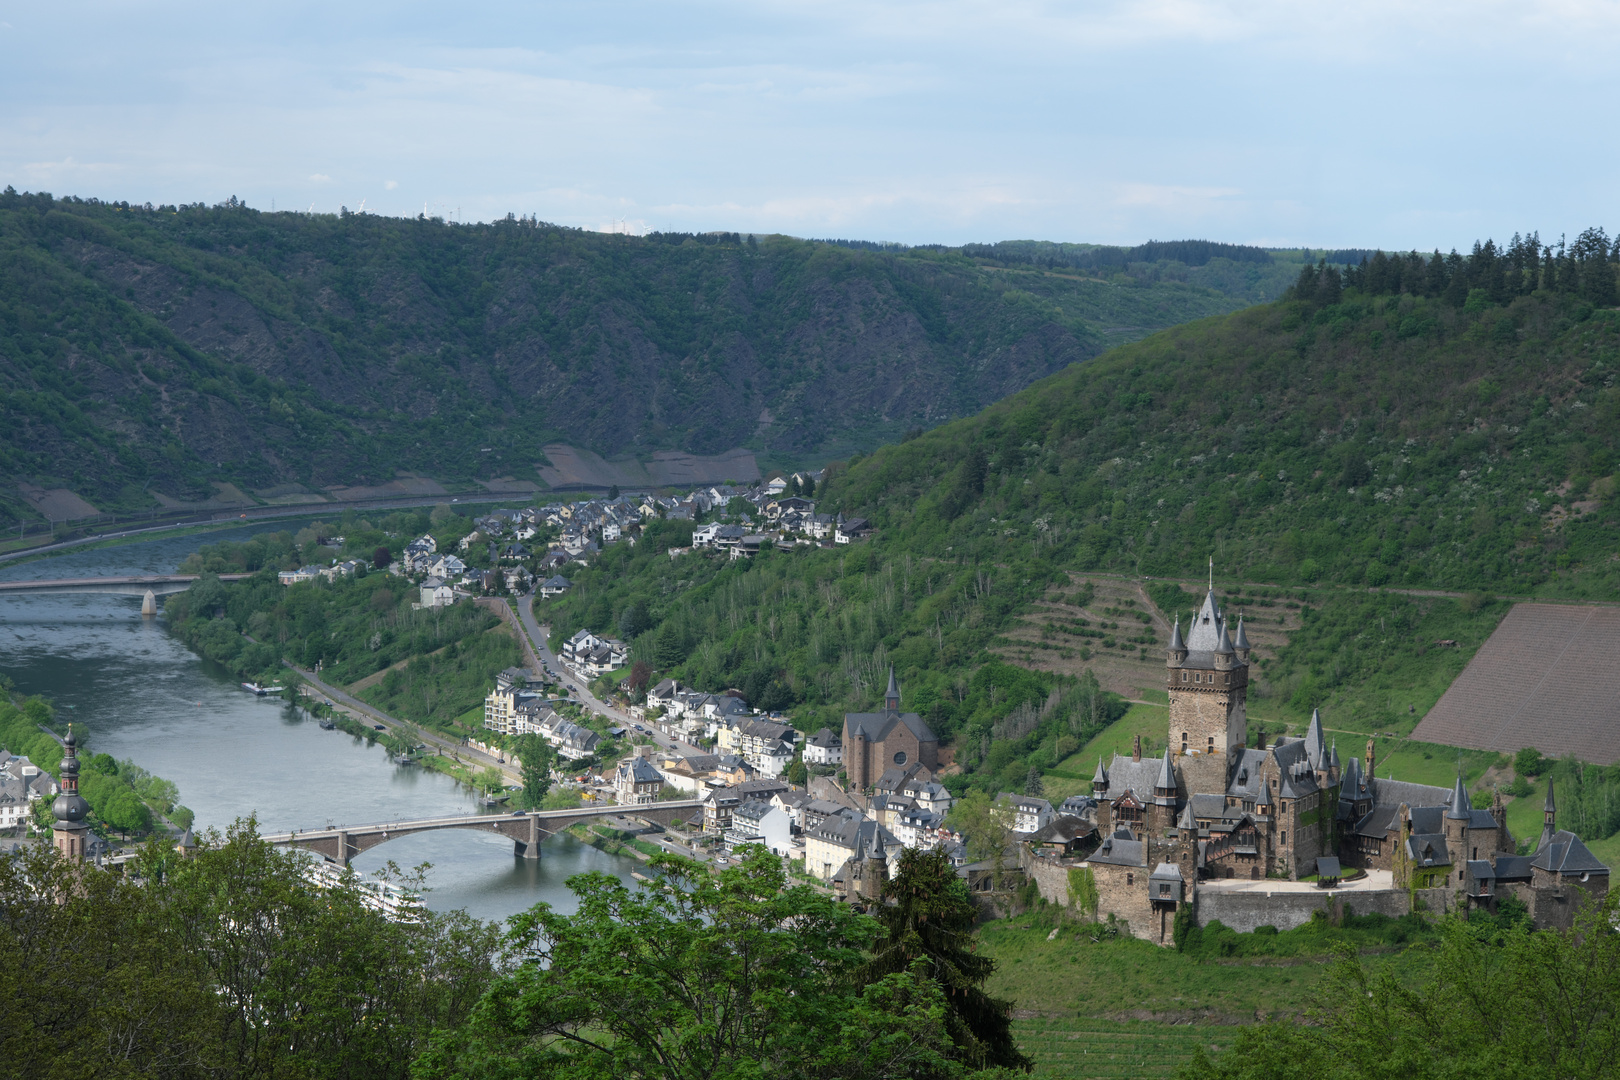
1212, 811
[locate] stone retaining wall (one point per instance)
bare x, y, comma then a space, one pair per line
1245, 910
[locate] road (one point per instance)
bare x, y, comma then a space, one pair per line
539, 636
354, 705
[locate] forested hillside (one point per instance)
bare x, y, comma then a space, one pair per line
165, 350
1452, 431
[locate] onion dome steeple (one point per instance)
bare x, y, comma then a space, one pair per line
68, 832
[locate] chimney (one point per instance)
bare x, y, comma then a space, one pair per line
645, 751
1136, 749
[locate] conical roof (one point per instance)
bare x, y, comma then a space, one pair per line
1315, 745
1265, 794
1186, 821
877, 843
893, 693
1551, 807
1242, 641
1167, 775
1223, 644
1460, 806
1176, 644
1101, 775
1333, 756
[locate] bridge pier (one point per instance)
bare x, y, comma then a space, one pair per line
530, 848
149, 605
343, 847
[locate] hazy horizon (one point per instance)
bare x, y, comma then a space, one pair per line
1265, 123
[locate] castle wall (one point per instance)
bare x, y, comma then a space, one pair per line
1243, 910
1202, 773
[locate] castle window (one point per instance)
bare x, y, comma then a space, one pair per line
1212, 744
1184, 742
1284, 837
1130, 879
1183, 676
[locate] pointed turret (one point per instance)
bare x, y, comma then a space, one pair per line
1315, 744
1099, 780
1460, 806
1178, 647
1186, 822
1225, 655
1263, 804
891, 698
1241, 643
1164, 788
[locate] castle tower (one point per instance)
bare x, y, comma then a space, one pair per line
1208, 679
891, 699
1459, 812
69, 832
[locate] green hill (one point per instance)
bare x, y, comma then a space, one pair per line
171, 350
1315, 449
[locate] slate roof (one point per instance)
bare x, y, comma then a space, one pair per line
876, 726
1328, 867
1137, 777
642, 772
1205, 631
825, 738
1061, 830
1428, 849
1566, 854
1119, 851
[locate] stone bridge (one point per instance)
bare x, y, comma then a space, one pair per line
526, 830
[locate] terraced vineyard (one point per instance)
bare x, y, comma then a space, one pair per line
1087, 1049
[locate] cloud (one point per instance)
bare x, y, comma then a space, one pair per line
319, 178
390, 185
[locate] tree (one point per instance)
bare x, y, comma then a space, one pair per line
982, 824
381, 557
613, 492
692, 975
536, 755
490, 780
1033, 785
928, 921
640, 676
797, 772
809, 486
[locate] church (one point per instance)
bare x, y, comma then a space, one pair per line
1214, 809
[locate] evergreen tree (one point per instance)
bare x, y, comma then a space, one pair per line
929, 917
1033, 784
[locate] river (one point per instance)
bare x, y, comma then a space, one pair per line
138, 693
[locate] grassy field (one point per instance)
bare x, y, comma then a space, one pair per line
1106, 1049
1124, 1008
1072, 776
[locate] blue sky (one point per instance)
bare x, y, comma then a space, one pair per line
1376, 124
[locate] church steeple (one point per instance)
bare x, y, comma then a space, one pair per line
1549, 818
891, 699
68, 832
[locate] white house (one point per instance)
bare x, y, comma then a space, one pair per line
436, 592
1024, 813
824, 748
756, 821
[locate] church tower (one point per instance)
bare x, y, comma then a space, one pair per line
1209, 685
69, 832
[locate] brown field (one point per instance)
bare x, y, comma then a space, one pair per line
1549, 677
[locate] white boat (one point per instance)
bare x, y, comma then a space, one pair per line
255, 688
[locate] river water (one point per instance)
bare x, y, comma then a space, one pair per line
138, 693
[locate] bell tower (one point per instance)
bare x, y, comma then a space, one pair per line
69, 831
1208, 682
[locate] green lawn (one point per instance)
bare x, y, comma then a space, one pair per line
1125, 1008
1109, 1048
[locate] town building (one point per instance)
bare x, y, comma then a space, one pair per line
636, 782
873, 742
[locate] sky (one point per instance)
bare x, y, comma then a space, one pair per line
1375, 124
